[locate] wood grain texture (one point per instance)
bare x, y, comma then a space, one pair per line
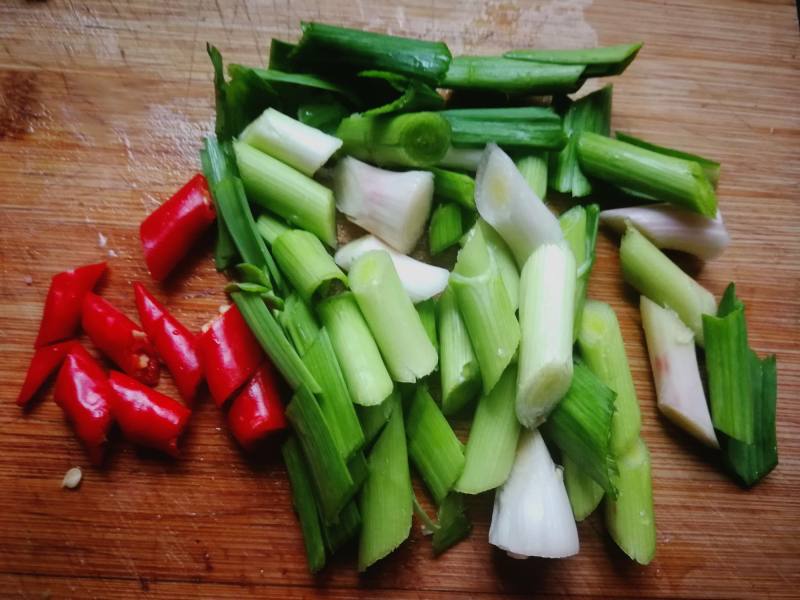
103, 107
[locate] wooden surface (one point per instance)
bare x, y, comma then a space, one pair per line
103, 107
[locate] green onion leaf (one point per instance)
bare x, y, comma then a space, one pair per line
287, 192
366, 375
492, 441
460, 375
654, 275
304, 504
629, 518
485, 307
666, 178
504, 259
453, 523
584, 492
600, 62
272, 339
224, 249
345, 529
427, 314
579, 225
580, 425
728, 363
330, 476
590, 113
433, 447
299, 323
751, 462
446, 228
454, 187
386, 498
601, 346
373, 418
387, 309
498, 74
334, 399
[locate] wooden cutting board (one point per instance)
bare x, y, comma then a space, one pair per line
103, 107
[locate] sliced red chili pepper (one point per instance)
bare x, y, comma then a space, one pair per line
44, 363
62, 308
229, 354
83, 393
257, 411
119, 338
175, 344
145, 416
169, 232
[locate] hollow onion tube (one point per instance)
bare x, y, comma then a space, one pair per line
373, 418
485, 307
546, 315
599, 62
427, 314
458, 366
584, 492
534, 169
464, 159
528, 127
603, 350
711, 167
630, 518
498, 74
287, 192
492, 441
507, 203
359, 50
334, 398
330, 477
386, 498
392, 319
532, 515
667, 178
366, 375
420, 280
502, 256
393, 206
304, 504
419, 139
290, 141
432, 446
579, 225
673, 360
306, 263
673, 228
270, 228
654, 275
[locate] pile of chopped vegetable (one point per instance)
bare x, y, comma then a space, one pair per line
383, 352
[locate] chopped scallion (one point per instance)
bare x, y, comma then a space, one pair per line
306, 264
446, 228
454, 187
458, 368
498, 74
600, 62
584, 492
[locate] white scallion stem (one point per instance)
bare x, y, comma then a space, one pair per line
393, 206
297, 144
420, 280
506, 201
463, 159
546, 316
673, 360
674, 228
532, 515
